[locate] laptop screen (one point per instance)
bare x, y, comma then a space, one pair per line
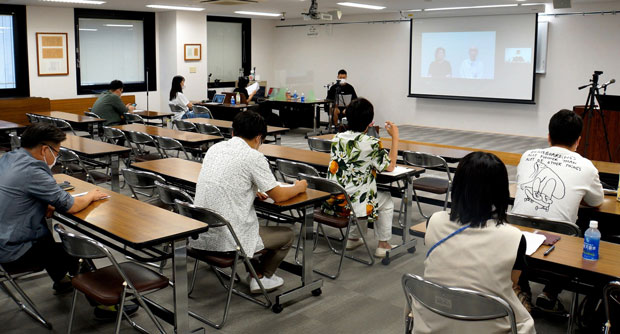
219, 98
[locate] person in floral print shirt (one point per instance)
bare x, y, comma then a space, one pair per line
356, 158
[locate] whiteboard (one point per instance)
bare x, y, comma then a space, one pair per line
541, 47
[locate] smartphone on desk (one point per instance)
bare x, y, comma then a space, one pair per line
66, 186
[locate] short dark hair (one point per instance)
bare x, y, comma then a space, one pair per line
242, 82
116, 84
342, 72
565, 128
42, 133
249, 124
480, 190
360, 114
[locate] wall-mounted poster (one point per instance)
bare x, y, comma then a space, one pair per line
193, 51
52, 53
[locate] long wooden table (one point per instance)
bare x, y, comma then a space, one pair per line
190, 139
150, 115
185, 174
275, 131
78, 122
93, 149
132, 227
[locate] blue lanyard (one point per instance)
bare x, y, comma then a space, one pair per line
446, 238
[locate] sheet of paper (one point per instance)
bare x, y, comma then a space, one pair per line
533, 241
397, 171
252, 88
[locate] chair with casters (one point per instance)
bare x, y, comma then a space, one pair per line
184, 125
169, 144
320, 145
139, 151
432, 184
25, 303
454, 303
325, 185
202, 111
611, 293
208, 129
73, 165
138, 181
220, 260
133, 118
113, 284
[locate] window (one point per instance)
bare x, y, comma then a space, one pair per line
228, 49
114, 45
13, 52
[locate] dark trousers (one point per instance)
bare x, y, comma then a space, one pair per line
48, 254
553, 288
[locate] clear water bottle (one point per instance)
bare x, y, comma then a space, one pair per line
238, 98
232, 100
591, 240
303, 98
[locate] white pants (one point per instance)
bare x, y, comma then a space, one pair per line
383, 224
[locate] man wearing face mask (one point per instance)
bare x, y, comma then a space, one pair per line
29, 194
340, 89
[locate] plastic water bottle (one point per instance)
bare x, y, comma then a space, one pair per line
232, 100
295, 95
591, 240
303, 99
238, 98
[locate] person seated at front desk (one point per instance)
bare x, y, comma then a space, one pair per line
336, 93
109, 105
242, 88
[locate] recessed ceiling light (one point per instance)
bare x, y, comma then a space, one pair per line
82, 2
243, 12
361, 5
413, 10
120, 25
194, 9
87, 29
470, 7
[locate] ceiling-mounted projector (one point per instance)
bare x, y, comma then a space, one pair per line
314, 14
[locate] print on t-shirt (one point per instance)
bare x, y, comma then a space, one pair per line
544, 185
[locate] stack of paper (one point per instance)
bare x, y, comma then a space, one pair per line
533, 242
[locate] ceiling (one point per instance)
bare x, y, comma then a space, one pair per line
293, 8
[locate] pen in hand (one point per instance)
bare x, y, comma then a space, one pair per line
549, 250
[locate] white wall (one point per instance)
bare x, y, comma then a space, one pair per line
377, 56
263, 48
57, 19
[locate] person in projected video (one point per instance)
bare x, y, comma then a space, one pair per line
472, 68
440, 68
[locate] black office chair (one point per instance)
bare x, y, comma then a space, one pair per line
25, 303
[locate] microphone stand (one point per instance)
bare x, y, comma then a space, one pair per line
588, 112
147, 89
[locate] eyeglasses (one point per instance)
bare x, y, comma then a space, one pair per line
56, 153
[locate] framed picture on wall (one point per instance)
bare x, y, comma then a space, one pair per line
52, 53
193, 51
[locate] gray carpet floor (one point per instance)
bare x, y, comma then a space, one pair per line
365, 299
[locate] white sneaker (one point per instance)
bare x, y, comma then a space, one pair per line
269, 283
380, 252
353, 244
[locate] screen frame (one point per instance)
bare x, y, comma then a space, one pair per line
532, 100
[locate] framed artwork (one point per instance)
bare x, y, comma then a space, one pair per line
52, 53
193, 51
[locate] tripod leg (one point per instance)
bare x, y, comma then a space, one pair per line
606, 136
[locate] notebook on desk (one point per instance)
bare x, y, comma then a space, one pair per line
398, 170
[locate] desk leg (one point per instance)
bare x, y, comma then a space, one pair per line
315, 123
114, 165
408, 243
179, 276
308, 286
278, 139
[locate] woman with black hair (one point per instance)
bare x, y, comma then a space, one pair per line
242, 84
179, 104
473, 247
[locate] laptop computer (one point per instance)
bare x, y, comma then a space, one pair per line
218, 98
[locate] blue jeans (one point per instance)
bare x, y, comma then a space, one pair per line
194, 115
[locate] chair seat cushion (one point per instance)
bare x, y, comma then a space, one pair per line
216, 259
433, 185
329, 220
22, 268
105, 285
147, 157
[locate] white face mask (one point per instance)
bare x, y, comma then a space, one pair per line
55, 158
343, 81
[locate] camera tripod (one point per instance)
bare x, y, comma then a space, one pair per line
589, 110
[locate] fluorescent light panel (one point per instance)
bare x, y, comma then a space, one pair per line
82, 2
193, 9
243, 12
120, 25
361, 5
87, 29
470, 7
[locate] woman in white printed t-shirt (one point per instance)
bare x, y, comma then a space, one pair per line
183, 106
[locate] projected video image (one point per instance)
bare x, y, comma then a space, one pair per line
469, 55
518, 55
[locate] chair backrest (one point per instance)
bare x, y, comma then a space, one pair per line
80, 246
67, 156
184, 126
611, 293
290, 170
202, 110
456, 303
426, 160
91, 114
113, 135
140, 138
48, 120
168, 194
133, 118
544, 224
32, 118
166, 143
140, 179
63, 125
320, 145
328, 186
16, 141
175, 108
208, 129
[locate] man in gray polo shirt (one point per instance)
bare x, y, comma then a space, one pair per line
28, 194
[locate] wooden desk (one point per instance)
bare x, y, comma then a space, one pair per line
78, 122
92, 149
227, 127
186, 138
185, 173
10, 126
281, 104
139, 226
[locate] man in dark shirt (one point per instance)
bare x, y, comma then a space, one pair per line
109, 105
340, 89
